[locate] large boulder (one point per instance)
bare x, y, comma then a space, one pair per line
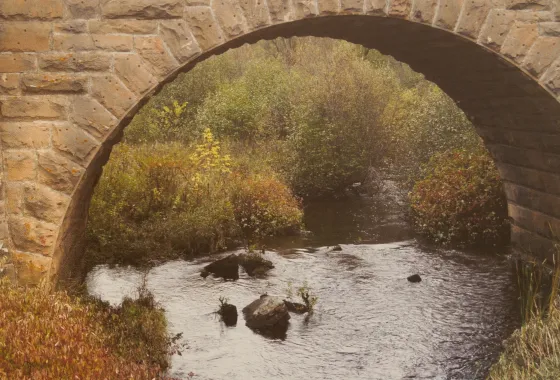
255, 264
227, 268
267, 313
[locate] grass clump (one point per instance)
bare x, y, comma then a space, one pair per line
57, 336
533, 351
460, 201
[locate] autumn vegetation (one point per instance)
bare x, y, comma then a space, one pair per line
229, 153
52, 335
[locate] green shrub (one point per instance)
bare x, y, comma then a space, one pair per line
163, 201
460, 200
46, 336
264, 207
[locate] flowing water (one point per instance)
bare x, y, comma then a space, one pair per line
369, 323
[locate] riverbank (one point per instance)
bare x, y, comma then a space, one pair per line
45, 336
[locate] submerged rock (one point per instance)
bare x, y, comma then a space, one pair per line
336, 248
414, 278
255, 264
267, 314
227, 268
228, 312
296, 307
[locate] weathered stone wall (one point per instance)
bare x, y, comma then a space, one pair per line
73, 72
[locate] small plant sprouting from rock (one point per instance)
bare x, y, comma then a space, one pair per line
309, 299
305, 293
227, 311
223, 302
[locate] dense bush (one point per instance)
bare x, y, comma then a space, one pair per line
45, 336
460, 200
265, 207
162, 201
336, 109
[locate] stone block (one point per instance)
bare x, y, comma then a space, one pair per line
58, 172
74, 26
424, 11
527, 4
305, 8
74, 142
533, 199
540, 223
133, 73
31, 269
73, 42
154, 52
551, 29
541, 55
36, 108
256, 13
496, 28
58, 83
16, 62
142, 9
22, 36
9, 84
31, 235
43, 203
204, 27
280, 10
179, 39
31, 9
20, 165
90, 61
83, 9
448, 13
91, 116
376, 7
551, 78
118, 26
519, 40
328, 7
400, 8
113, 42
230, 17
25, 135
110, 92
472, 17
14, 198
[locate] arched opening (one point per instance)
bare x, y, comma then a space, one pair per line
516, 116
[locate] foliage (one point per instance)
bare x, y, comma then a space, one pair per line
308, 298
306, 294
460, 200
330, 109
264, 207
55, 336
166, 200
533, 351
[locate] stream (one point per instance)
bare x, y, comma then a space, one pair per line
369, 323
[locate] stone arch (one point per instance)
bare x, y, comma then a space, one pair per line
74, 72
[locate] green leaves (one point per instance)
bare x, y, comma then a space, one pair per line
460, 200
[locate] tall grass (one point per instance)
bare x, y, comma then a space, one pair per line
46, 336
533, 351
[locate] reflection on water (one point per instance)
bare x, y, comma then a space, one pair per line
370, 322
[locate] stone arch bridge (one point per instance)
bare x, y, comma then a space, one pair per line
74, 72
